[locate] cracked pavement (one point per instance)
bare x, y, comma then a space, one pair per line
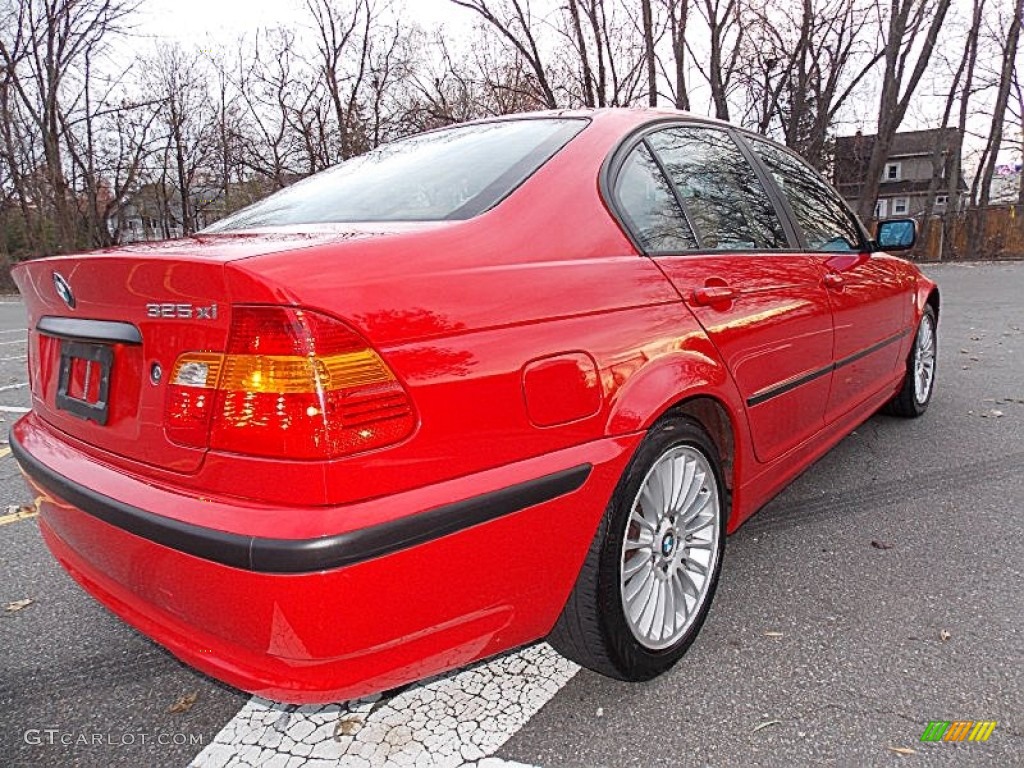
882, 590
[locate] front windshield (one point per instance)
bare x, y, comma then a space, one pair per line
454, 173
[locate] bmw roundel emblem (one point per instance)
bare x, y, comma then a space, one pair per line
63, 289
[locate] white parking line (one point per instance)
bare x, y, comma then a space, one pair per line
15, 330
13, 409
16, 357
16, 341
447, 722
13, 386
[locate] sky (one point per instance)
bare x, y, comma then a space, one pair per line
196, 20
224, 21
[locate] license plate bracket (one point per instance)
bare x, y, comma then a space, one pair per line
94, 405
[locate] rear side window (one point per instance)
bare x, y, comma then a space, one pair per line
450, 174
720, 191
817, 208
646, 202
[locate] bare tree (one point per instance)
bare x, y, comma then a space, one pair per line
995, 137
802, 62
652, 71
907, 54
726, 30
513, 21
41, 51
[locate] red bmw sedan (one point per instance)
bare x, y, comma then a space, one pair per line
510, 380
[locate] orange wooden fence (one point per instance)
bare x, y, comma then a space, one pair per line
996, 232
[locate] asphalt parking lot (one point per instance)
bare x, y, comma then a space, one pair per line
884, 589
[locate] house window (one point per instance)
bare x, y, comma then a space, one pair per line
940, 201
900, 206
892, 172
881, 209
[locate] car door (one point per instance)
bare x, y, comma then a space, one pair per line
717, 236
869, 296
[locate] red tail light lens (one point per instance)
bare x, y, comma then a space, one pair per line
292, 383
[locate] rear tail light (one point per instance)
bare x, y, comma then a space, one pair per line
292, 383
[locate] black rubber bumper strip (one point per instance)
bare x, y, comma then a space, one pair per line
780, 389
304, 555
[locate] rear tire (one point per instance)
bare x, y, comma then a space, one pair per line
652, 569
919, 383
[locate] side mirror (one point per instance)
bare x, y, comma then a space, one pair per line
896, 234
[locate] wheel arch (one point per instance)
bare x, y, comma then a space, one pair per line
927, 295
713, 415
933, 300
707, 395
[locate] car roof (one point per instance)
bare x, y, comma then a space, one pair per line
640, 115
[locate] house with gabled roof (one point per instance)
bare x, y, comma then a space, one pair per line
915, 159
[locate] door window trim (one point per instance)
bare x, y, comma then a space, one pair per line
612, 165
864, 246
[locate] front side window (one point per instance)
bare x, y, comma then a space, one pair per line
450, 174
720, 191
817, 208
646, 201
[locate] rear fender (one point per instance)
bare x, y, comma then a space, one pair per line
667, 380
676, 379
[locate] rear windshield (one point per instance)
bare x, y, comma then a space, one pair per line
454, 173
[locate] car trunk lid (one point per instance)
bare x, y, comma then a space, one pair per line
106, 328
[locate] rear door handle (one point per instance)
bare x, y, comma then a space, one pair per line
834, 281
713, 294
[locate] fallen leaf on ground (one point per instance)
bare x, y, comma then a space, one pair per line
773, 634
881, 545
184, 704
765, 724
944, 635
903, 750
17, 605
349, 725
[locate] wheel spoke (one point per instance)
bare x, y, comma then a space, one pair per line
694, 485
643, 540
641, 597
680, 590
671, 620
657, 630
668, 486
637, 583
696, 566
698, 520
686, 579
642, 521
648, 506
646, 622
635, 565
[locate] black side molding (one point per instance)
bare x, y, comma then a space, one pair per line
89, 330
265, 555
780, 389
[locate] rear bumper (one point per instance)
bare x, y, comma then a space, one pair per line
335, 615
